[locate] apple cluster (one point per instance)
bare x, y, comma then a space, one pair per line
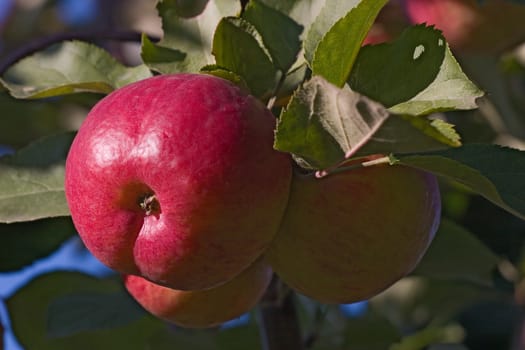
173, 182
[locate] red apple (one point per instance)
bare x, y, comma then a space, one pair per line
470, 26
350, 235
175, 178
203, 308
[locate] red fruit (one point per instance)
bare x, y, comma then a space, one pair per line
350, 235
175, 178
468, 26
204, 308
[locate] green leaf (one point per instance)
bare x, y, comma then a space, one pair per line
32, 181
158, 58
30, 309
456, 254
303, 12
395, 72
492, 171
451, 333
189, 36
79, 312
336, 53
238, 47
406, 134
331, 12
323, 124
279, 33
23, 243
69, 67
450, 90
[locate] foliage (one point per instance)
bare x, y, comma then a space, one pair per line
336, 101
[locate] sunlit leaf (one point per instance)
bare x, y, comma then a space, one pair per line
336, 53
395, 72
323, 124
238, 47
69, 67
279, 33
32, 181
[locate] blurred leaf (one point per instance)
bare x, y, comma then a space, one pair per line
323, 124
69, 67
331, 12
431, 335
371, 332
395, 72
492, 171
189, 36
158, 58
336, 53
29, 311
279, 33
80, 312
456, 254
32, 181
451, 90
23, 243
238, 47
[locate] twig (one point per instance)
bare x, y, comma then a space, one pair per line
278, 322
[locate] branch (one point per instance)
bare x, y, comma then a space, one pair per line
278, 322
90, 36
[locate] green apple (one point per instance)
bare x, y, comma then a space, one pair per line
350, 235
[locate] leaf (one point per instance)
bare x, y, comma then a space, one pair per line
69, 67
395, 72
456, 254
323, 124
450, 90
190, 36
32, 181
238, 47
331, 12
23, 243
279, 33
407, 134
492, 171
303, 12
158, 58
451, 333
437, 129
29, 311
80, 312
336, 53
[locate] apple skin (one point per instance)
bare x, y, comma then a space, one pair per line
470, 27
175, 178
203, 308
350, 235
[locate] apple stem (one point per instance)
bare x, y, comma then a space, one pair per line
149, 204
277, 319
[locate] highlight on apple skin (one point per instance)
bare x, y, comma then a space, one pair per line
350, 235
471, 26
204, 308
174, 178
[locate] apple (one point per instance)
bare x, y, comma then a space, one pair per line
352, 234
174, 178
203, 308
470, 26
